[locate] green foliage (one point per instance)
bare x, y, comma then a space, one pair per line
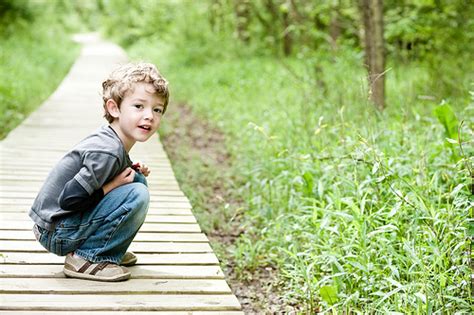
357, 211
421, 28
328, 294
331, 202
439, 33
33, 67
75, 16
130, 21
13, 13
447, 118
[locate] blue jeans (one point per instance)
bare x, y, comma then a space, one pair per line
105, 232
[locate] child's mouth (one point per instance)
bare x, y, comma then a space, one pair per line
147, 128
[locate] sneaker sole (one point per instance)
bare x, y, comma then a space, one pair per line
85, 276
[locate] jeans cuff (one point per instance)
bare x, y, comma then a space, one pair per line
96, 259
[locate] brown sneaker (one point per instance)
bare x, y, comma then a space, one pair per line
129, 259
77, 267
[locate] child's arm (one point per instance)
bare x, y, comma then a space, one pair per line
125, 177
75, 198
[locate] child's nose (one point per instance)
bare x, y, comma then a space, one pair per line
149, 114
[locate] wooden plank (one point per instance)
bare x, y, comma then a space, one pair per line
34, 189
138, 271
9, 188
7, 166
8, 178
13, 161
29, 156
128, 313
136, 247
154, 201
37, 173
140, 237
155, 210
44, 161
61, 147
132, 286
10, 162
52, 149
200, 259
30, 196
173, 188
146, 227
16, 180
153, 218
64, 145
27, 151
159, 180
24, 172
119, 302
23, 157
22, 205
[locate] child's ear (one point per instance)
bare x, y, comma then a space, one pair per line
112, 108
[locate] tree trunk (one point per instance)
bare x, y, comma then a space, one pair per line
372, 14
213, 5
287, 38
274, 22
335, 26
242, 13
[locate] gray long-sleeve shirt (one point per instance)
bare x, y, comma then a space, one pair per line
91, 163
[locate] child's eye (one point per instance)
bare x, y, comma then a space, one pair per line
158, 110
139, 106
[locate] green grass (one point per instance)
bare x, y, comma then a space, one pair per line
37, 57
359, 211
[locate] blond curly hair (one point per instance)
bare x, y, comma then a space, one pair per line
123, 79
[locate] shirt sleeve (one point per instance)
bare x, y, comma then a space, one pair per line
75, 198
97, 169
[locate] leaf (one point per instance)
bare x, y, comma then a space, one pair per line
447, 118
442, 281
375, 168
320, 188
383, 229
456, 190
329, 294
394, 282
308, 178
471, 227
358, 265
394, 209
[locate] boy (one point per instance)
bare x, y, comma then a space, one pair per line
94, 201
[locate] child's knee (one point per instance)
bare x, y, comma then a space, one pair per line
140, 178
141, 198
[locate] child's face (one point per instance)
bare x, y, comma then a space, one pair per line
139, 115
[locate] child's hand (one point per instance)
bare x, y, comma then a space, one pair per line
127, 176
142, 168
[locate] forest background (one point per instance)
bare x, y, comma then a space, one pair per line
315, 198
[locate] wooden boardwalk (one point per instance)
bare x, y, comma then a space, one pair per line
177, 271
